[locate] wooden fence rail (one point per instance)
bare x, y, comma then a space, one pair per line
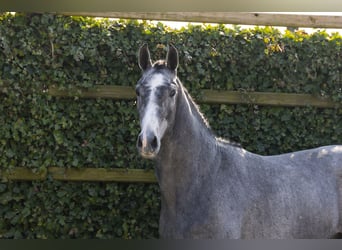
81, 174
208, 96
205, 96
243, 18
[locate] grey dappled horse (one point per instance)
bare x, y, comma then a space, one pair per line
211, 188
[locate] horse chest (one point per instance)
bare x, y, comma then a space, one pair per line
199, 223
199, 215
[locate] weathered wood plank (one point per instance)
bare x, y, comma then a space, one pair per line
267, 19
210, 97
82, 174
102, 174
265, 98
22, 174
108, 91
207, 96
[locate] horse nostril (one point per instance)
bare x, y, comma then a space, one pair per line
154, 143
139, 142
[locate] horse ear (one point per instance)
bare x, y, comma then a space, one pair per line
144, 57
172, 57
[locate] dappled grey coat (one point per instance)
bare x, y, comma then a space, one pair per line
211, 188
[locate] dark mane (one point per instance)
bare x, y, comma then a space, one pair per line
203, 120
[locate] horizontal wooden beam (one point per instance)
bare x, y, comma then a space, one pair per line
80, 174
101, 91
102, 174
265, 98
22, 174
243, 18
208, 96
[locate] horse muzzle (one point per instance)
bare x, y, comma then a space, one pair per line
148, 145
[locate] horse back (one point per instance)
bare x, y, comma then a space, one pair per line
293, 195
309, 184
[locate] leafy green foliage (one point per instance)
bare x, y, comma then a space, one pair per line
37, 131
51, 209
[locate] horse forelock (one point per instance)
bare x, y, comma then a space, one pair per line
158, 68
160, 64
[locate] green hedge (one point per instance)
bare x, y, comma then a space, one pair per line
38, 131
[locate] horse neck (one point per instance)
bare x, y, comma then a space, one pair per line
184, 166
181, 160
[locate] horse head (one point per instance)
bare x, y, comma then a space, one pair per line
156, 92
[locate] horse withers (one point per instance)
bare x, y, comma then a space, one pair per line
212, 188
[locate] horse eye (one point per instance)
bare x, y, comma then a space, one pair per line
172, 92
